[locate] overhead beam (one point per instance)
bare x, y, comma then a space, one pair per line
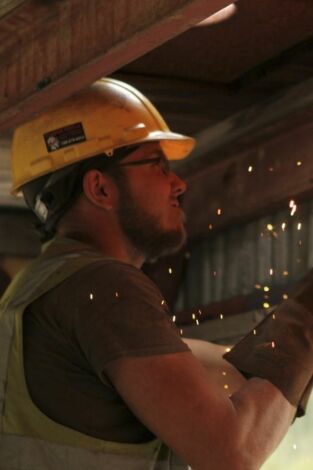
189, 106
8, 5
240, 131
62, 46
259, 181
189, 97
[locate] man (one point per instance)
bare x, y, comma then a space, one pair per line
95, 373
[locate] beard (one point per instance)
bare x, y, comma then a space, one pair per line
144, 230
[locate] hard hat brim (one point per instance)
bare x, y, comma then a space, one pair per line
175, 146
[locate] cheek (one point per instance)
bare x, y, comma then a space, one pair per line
153, 195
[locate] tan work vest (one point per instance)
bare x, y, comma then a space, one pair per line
29, 440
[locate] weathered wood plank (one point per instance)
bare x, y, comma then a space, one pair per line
48, 50
189, 106
277, 115
8, 5
240, 194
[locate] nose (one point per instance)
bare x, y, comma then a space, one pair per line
179, 185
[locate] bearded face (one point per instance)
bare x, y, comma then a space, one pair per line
151, 232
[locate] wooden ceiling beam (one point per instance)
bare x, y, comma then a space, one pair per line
259, 181
8, 5
50, 50
279, 114
271, 137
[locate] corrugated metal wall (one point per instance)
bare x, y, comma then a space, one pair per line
273, 250
233, 263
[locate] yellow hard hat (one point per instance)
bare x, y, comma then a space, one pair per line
108, 115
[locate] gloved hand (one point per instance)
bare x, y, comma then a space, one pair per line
280, 348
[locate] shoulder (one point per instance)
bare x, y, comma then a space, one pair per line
116, 273
109, 280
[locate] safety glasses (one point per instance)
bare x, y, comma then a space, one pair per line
161, 160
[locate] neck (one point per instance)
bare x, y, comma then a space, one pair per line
107, 241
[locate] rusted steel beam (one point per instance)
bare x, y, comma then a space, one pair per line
49, 50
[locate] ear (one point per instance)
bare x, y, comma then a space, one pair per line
99, 189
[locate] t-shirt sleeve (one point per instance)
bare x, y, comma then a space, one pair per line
118, 311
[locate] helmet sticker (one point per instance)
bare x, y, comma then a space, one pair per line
65, 136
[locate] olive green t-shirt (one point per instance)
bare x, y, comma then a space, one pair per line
107, 310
